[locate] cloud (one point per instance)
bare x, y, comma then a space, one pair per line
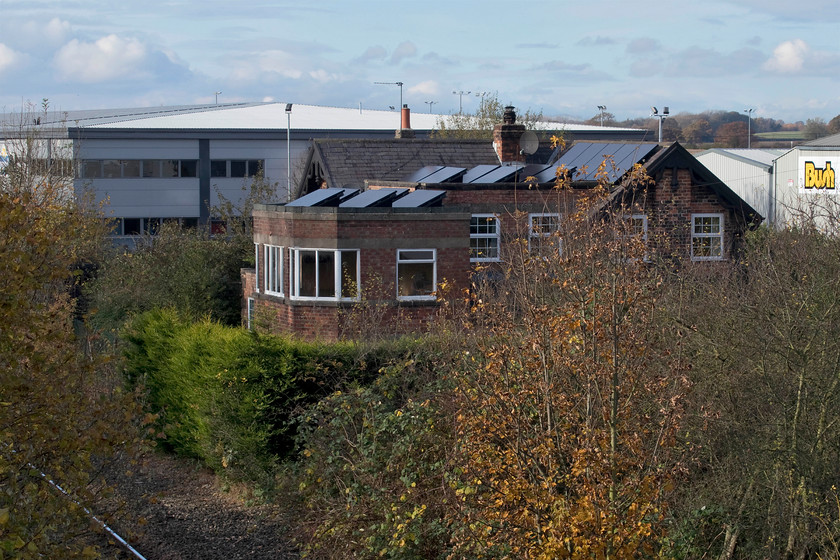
596, 41
108, 58
404, 50
788, 57
429, 87
373, 53
8, 58
559, 70
643, 45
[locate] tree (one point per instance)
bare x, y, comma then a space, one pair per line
569, 399
697, 132
480, 125
815, 128
60, 414
834, 125
732, 135
764, 419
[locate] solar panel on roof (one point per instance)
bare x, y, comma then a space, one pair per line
324, 197
532, 169
549, 174
422, 173
587, 156
445, 175
472, 175
420, 198
500, 175
374, 198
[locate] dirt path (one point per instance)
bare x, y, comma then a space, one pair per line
189, 517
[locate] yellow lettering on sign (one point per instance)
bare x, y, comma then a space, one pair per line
817, 178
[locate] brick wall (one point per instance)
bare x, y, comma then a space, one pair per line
377, 234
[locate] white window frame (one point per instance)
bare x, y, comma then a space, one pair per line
257, 267
644, 219
706, 235
402, 258
295, 271
482, 236
533, 234
273, 270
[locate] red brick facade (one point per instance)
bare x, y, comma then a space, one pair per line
375, 236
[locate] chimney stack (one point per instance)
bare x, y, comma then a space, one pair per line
405, 126
506, 138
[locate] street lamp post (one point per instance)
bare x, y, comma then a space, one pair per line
217, 96
661, 116
749, 125
461, 95
602, 108
430, 103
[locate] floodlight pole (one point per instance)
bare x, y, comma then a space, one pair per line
654, 112
430, 103
749, 125
602, 108
461, 95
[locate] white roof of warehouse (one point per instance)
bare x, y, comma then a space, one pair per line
758, 156
266, 116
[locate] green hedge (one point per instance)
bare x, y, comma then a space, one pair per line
229, 396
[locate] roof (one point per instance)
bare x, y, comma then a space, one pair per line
754, 156
676, 156
350, 162
832, 141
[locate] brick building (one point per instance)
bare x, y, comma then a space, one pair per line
321, 255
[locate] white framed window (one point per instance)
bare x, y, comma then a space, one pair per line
544, 233
257, 267
326, 274
637, 225
706, 237
249, 317
273, 270
484, 238
416, 274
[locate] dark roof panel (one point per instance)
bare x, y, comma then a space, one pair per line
324, 197
374, 198
446, 175
421, 173
420, 198
501, 175
472, 175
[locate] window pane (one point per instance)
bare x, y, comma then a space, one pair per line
254, 167
237, 168
92, 169
326, 274
131, 226
169, 168
218, 168
349, 280
189, 168
189, 222
111, 168
151, 225
151, 168
415, 279
131, 168
425, 255
484, 248
307, 279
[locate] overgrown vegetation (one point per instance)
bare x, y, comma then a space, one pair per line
62, 411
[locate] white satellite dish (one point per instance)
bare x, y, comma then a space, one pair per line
528, 142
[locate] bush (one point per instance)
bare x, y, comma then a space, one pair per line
231, 397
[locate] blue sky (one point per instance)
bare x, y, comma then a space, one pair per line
781, 58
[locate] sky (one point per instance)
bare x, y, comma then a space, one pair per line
562, 57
